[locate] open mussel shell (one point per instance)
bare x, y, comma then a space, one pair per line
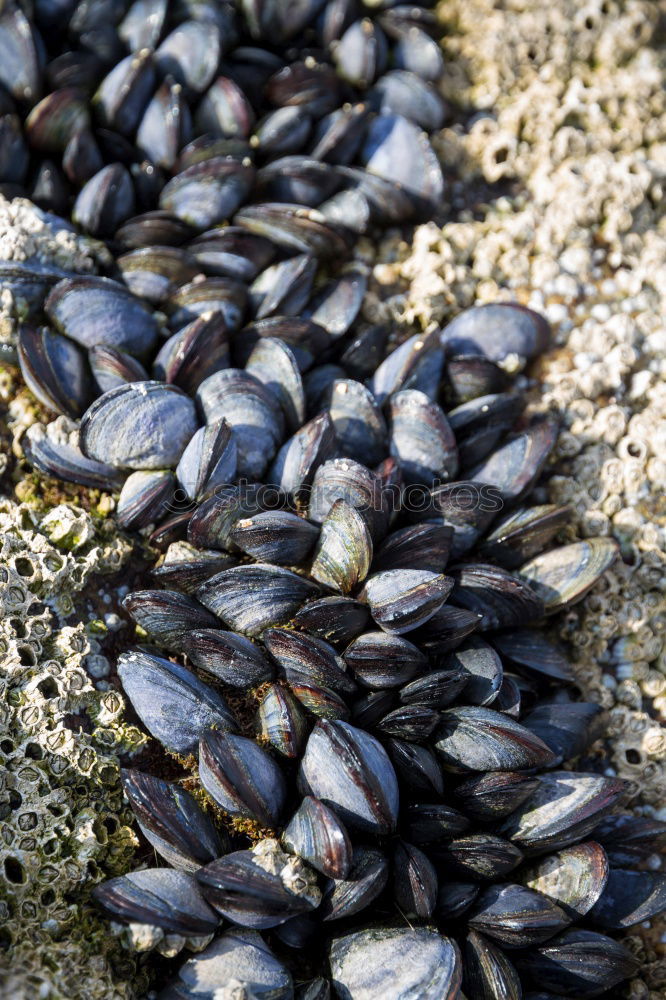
350, 771
578, 964
301, 455
480, 739
143, 425
629, 898
495, 794
248, 893
282, 722
343, 554
302, 657
173, 822
401, 962
501, 331
230, 657
111, 368
160, 897
208, 461
503, 600
416, 766
573, 877
414, 881
488, 973
517, 917
241, 778
55, 370
173, 704
251, 598
514, 467
523, 534
365, 881
101, 312
274, 364
402, 599
382, 660
479, 856
357, 420
563, 576
167, 615
275, 536
241, 956
532, 651
337, 620
568, 728
424, 545
251, 410
144, 498
630, 839
422, 439
316, 834
565, 807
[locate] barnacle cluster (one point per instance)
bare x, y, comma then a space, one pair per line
62, 819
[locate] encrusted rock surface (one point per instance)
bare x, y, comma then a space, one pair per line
557, 153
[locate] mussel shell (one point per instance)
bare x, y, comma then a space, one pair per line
275, 365
173, 704
232, 658
205, 295
296, 228
403, 962
21, 47
239, 955
416, 766
482, 668
409, 722
275, 536
160, 897
247, 894
350, 772
563, 576
253, 597
488, 973
503, 600
344, 479
431, 823
517, 917
629, 898
568, 728
100, 312
565, 807
402, 599
105, 201
383, 153
283, 288
422, 439
382, 660
319, 700
224, 111
151, 229
282, 721
365, 881
172, 820
630, 839
498, 331
209, 461
154, 273
573, 877
479, 856
299, 458
316, 834
480, 739
231, 252
471, 375
414, 881
370, 707
206, 193
578, 964
124, 93
190, 54
338, 620
337, 304
111, 368
424, 545
455, 898
55, 370
495, 794
211, 524
242, 779
404, 93
62, 462
302, 657
523, 534
166, 615
144, 498
436, 689
514, 467
358, 422
447, 628
344, 548
415, 364
364, 351
283, 131
60, 114
531, 650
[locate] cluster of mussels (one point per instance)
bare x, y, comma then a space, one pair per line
380, 743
